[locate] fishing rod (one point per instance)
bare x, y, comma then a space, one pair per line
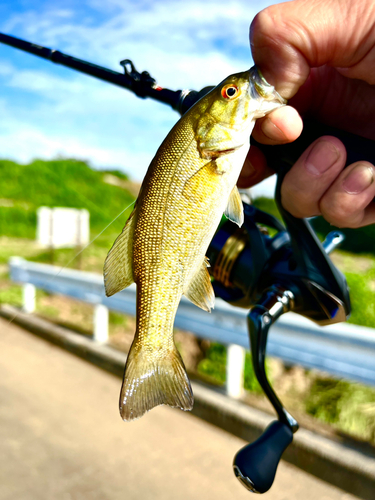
269, 275
141, 84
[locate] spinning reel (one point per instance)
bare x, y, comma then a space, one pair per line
290, 271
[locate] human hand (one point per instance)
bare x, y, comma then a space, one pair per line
335, 38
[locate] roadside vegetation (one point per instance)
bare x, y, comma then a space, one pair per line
309, 395
348, 407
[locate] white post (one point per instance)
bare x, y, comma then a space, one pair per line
101, 323
235, 370
28, 298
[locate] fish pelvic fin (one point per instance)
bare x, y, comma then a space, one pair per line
153, 378
234, 210
118, 266
200, 291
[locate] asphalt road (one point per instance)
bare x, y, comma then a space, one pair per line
61, 438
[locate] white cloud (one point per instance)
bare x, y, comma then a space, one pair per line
43, 83
33, 143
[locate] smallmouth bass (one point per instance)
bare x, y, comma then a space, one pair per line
190, 183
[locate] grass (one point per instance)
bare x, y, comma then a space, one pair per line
349, 407
54, 183
214, 366
362, 293
22, 247
360, 275
11, 294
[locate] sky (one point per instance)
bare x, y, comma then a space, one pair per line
50, 111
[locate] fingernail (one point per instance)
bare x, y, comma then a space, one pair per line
359, 179
322, 157
272, 131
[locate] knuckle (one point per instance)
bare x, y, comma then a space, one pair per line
264, 27
297, 200
296, 205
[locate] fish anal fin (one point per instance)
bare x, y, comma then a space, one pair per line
200, 291
152, 379
234, 210
118, 266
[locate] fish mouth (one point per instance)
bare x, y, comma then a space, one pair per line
262, 87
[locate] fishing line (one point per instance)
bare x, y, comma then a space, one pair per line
75, 256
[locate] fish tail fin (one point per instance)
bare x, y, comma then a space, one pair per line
153, 378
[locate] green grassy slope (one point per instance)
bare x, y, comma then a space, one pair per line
57, 183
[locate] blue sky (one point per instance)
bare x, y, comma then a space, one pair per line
47, 110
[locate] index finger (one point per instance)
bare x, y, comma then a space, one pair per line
281, 126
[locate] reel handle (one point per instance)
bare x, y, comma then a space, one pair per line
255, 465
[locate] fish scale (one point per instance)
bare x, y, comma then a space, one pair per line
189, 184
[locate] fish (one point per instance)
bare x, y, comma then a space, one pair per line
189, 184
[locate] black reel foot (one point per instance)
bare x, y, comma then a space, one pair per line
255, 465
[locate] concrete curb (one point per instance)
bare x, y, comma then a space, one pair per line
339, 464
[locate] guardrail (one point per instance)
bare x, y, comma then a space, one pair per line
342, 350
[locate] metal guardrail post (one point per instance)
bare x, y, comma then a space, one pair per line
28, 298
100, 323
235, 370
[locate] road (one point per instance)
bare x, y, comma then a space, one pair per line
62, 438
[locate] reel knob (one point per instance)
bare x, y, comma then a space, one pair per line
255, 465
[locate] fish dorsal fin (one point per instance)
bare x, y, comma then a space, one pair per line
234, 210
199, 290
118, 266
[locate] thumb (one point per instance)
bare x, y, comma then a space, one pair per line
290, 38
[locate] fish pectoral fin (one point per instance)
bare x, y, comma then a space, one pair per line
200, 291
234, 210
202, 181
118, 266
153, 378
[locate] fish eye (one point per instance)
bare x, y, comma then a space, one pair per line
230, 91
